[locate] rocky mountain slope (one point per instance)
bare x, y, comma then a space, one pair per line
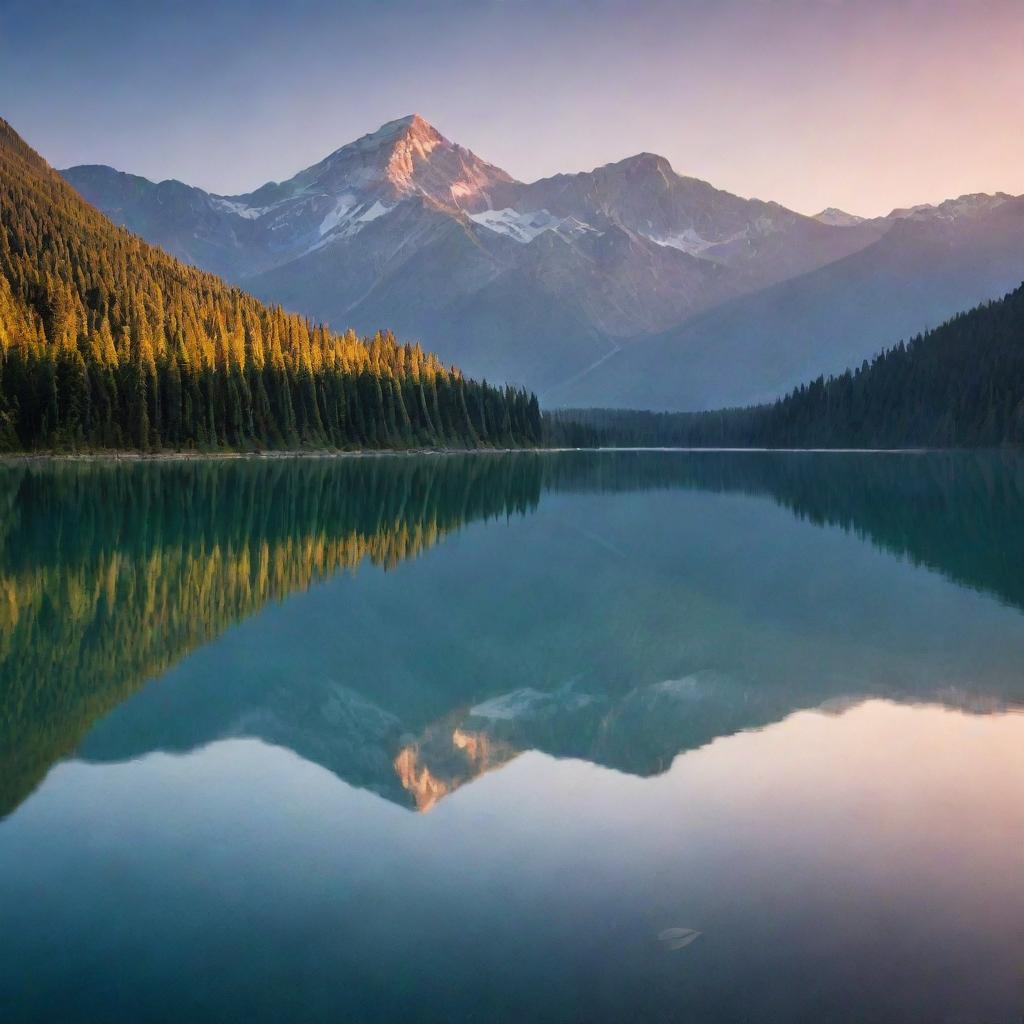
927, 267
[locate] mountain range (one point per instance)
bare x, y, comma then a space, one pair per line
629, 285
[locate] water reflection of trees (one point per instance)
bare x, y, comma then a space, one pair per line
958, 513
109, 573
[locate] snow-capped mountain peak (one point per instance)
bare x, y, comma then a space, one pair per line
402, 158
361, 182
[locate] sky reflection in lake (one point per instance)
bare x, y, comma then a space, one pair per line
773, 702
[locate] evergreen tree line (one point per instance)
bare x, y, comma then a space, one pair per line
960, 385
108, 342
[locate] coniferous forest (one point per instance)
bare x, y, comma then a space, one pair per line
107, 342
960, 385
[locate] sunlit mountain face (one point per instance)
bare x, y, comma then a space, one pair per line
505, 603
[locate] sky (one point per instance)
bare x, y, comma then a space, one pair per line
861, 104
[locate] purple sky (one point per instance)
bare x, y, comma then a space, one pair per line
862, 104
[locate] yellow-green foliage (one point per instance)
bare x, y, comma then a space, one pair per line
106, 340
110, 574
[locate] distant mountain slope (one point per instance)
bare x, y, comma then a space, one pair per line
106, 341
523, 282
760, 242
929, 266
178, 218
960, 385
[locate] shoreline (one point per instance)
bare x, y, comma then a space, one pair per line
20, 458
136, 456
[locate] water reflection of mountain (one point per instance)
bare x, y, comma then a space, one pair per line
109, 574
663, 640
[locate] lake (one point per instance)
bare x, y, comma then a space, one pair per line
566, 737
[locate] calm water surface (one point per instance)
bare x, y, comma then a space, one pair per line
571, 738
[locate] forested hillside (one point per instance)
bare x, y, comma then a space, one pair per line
108, 342
961, 385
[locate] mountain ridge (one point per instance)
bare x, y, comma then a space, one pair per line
915, 277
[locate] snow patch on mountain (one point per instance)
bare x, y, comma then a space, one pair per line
346, 219
377, 210
522, 227
685, 241
692, 242
339, 214
238, 209
509, 705
349, 215
530, 703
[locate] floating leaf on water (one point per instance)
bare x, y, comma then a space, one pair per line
678, 938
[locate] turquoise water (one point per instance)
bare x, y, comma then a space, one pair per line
560, 737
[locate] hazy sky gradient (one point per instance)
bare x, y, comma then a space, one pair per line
862, 104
